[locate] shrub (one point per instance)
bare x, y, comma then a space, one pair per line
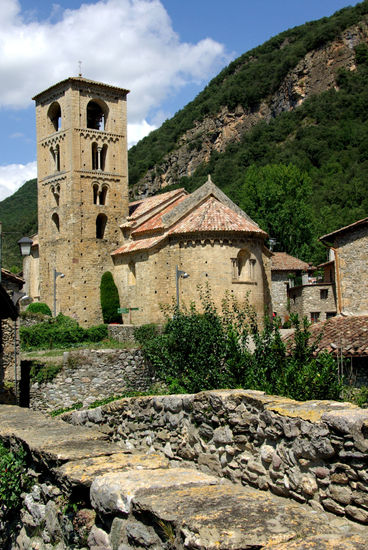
12, 477
203, 350
61, 332
39, 307
145, 332
109, 297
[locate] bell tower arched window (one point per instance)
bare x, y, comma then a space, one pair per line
56, 221
101, 222
54, 117
97, 115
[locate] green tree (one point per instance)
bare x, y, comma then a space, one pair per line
278, 196
109, 299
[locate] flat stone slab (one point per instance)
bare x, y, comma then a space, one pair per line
52, 439
231, 517
323, 542
83, 472
113, 493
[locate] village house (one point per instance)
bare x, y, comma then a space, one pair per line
86, 225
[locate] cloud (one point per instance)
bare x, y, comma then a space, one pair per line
13, 176
128, 43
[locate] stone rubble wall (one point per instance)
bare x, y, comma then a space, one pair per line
315, 452
91, 375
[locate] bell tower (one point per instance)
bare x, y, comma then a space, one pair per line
82, 191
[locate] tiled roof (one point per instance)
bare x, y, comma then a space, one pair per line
346, 335
212, 215
143, 206
281, 261
155, 222
350, 227
140, 244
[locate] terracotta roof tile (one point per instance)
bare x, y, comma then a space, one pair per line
143, 206
212, 215
155, 222
281, 261
348, 335
141, 244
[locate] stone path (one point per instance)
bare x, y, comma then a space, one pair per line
153, 503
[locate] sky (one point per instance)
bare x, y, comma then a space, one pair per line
164, 51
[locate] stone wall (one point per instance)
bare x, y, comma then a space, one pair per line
315, 452
353, 261
91, 375
308, 299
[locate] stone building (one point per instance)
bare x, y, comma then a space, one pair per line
10, 374
349, 252
87, 227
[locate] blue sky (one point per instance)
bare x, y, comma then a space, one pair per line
164, 51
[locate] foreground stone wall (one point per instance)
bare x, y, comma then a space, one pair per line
90, 375
315, 452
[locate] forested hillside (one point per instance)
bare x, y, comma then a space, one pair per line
18, 215
282, 130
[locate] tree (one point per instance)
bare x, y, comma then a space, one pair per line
278, 198
109, 299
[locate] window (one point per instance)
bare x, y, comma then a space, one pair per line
101, 222
56, 221
96, 115
330, 314
243, 266
132, 276
324, 293
54, 117
315, 316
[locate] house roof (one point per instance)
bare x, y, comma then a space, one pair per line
212, 215
345, 229
346, 335
208, 209
281, 261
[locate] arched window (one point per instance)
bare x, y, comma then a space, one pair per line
101, 222
55, 190
95, 193
103, 195
54, 117
55, 154
244, 266
94, 157
96, 115
56, 221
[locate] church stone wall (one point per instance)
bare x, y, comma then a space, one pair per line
147, 279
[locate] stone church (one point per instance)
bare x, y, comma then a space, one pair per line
87, 226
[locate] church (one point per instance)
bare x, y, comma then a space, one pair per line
158, 249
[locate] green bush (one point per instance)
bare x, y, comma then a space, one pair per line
145, 332
201, 350
109, 297
59, 332
39, 307
12, 477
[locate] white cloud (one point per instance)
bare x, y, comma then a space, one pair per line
13, 176
129, 43
138, 131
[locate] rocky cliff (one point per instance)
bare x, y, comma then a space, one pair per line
314, 74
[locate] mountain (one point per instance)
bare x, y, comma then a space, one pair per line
18, 215
282, 130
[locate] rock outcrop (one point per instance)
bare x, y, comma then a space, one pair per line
314, 74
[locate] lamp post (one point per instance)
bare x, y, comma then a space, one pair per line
56, 275
179, 275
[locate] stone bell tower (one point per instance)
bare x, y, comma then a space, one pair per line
82, 191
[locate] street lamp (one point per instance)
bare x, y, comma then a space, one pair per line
56, 275
179, 275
